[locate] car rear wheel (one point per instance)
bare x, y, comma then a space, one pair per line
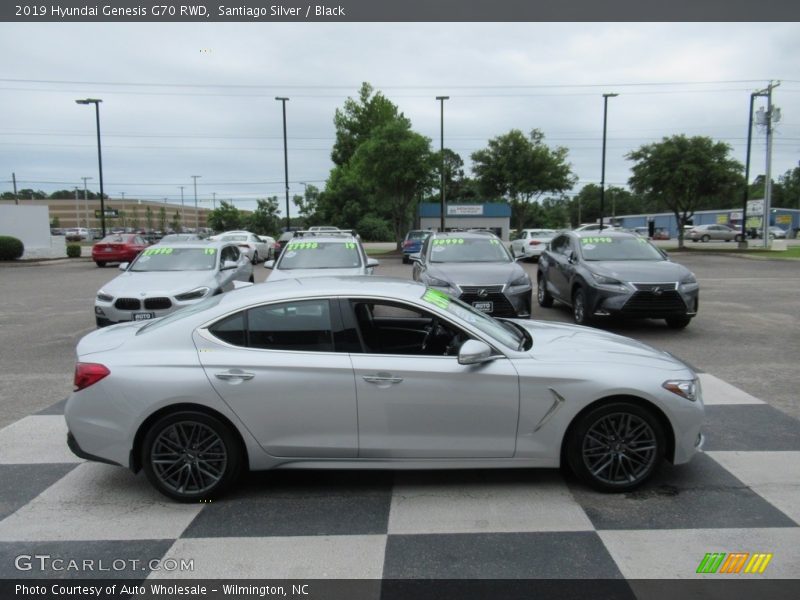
738, 237
191, 456
616, 447
579, 308
255, 257
678, 322
406, 259
542, 295
705, 238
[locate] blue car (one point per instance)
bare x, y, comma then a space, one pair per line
413, 243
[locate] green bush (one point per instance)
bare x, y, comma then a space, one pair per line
10, 248
73, 250
374, 229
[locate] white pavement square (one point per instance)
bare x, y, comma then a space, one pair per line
545, 504
775, 476
716, 392
296, 557
98, 502
34, 440
676, 553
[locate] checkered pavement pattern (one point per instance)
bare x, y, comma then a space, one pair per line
741, 495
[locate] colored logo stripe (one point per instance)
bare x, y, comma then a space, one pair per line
721, 562
758, 564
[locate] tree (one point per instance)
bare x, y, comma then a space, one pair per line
175, 224
520, 169
356, 121
585, 206
225, 217
681, 173
265, 219
55, 222
162, 219
788, 189
135, 217
396, 164
148, 218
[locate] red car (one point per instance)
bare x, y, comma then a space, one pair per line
118, 247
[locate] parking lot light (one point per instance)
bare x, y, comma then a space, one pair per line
96, 102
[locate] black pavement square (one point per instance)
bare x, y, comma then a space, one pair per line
80, 560
750, 427
22, 483
700, 495
540, 555
295, 503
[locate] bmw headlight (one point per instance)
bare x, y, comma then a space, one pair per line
524, 280
104, 297
609, 282
193, 295
685, 388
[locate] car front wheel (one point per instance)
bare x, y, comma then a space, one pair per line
191, 456
255, 257
542, 295
616, 447
579, 308
705, 238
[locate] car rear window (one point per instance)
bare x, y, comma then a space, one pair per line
300, 254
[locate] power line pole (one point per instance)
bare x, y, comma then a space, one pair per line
603, 167
283, 101
768, 181
441, 100
196, 212
14, 179
85, 202
183, 213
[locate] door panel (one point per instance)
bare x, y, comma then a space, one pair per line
432, 407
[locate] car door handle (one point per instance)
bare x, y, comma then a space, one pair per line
234, 375
380, 379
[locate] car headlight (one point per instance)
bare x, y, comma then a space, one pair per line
104, 297
193, 295
690, 279
520, 281
609, 282
686, 388
434, 282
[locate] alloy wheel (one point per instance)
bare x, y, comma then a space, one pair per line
619, 448
189, 457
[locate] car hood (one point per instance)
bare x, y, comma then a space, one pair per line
639, 271
476, 273
278, 274
562, 342
134, 284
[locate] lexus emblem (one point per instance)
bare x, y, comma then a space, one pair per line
482, 293
658, 291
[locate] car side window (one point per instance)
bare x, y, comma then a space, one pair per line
560, 244
303, 325
395, 328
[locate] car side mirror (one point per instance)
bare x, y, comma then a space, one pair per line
372, 262
229, 264
474, 352
269, 264
415, 257
573, 258
124, 266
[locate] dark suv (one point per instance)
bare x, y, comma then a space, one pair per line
602, 273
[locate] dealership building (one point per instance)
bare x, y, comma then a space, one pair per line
494, 216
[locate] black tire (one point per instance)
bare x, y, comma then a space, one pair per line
678, 322
252, 279
705, 238
616, 447
738, 238
100, 263
543, 297
207, 454
255, 257
406, 259
579, 308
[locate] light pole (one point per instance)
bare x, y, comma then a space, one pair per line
85, 204
283, 101
441, 100
196, 213
603, 167
771, 115
96, 102
77, 209
214, 200
183, 213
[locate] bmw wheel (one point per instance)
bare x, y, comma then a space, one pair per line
542, 295
191, 456
616, 447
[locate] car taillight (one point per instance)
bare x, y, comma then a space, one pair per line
87, 374
534, 243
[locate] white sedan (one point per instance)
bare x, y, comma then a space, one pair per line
530, 243
256, 249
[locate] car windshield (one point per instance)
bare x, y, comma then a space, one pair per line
320, 255
467, 249
165, 258
179, 237
114, 239
618, 248
506, 334
417, 235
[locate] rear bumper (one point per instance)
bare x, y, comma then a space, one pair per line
80, 453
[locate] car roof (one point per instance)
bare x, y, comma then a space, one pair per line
613, 233
476, 235
194, 244
330, 236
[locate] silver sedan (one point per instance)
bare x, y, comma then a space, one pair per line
372, 372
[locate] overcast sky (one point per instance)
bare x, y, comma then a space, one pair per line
198, 99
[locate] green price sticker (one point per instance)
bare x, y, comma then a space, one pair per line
436, 298
211, 250
152, 251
